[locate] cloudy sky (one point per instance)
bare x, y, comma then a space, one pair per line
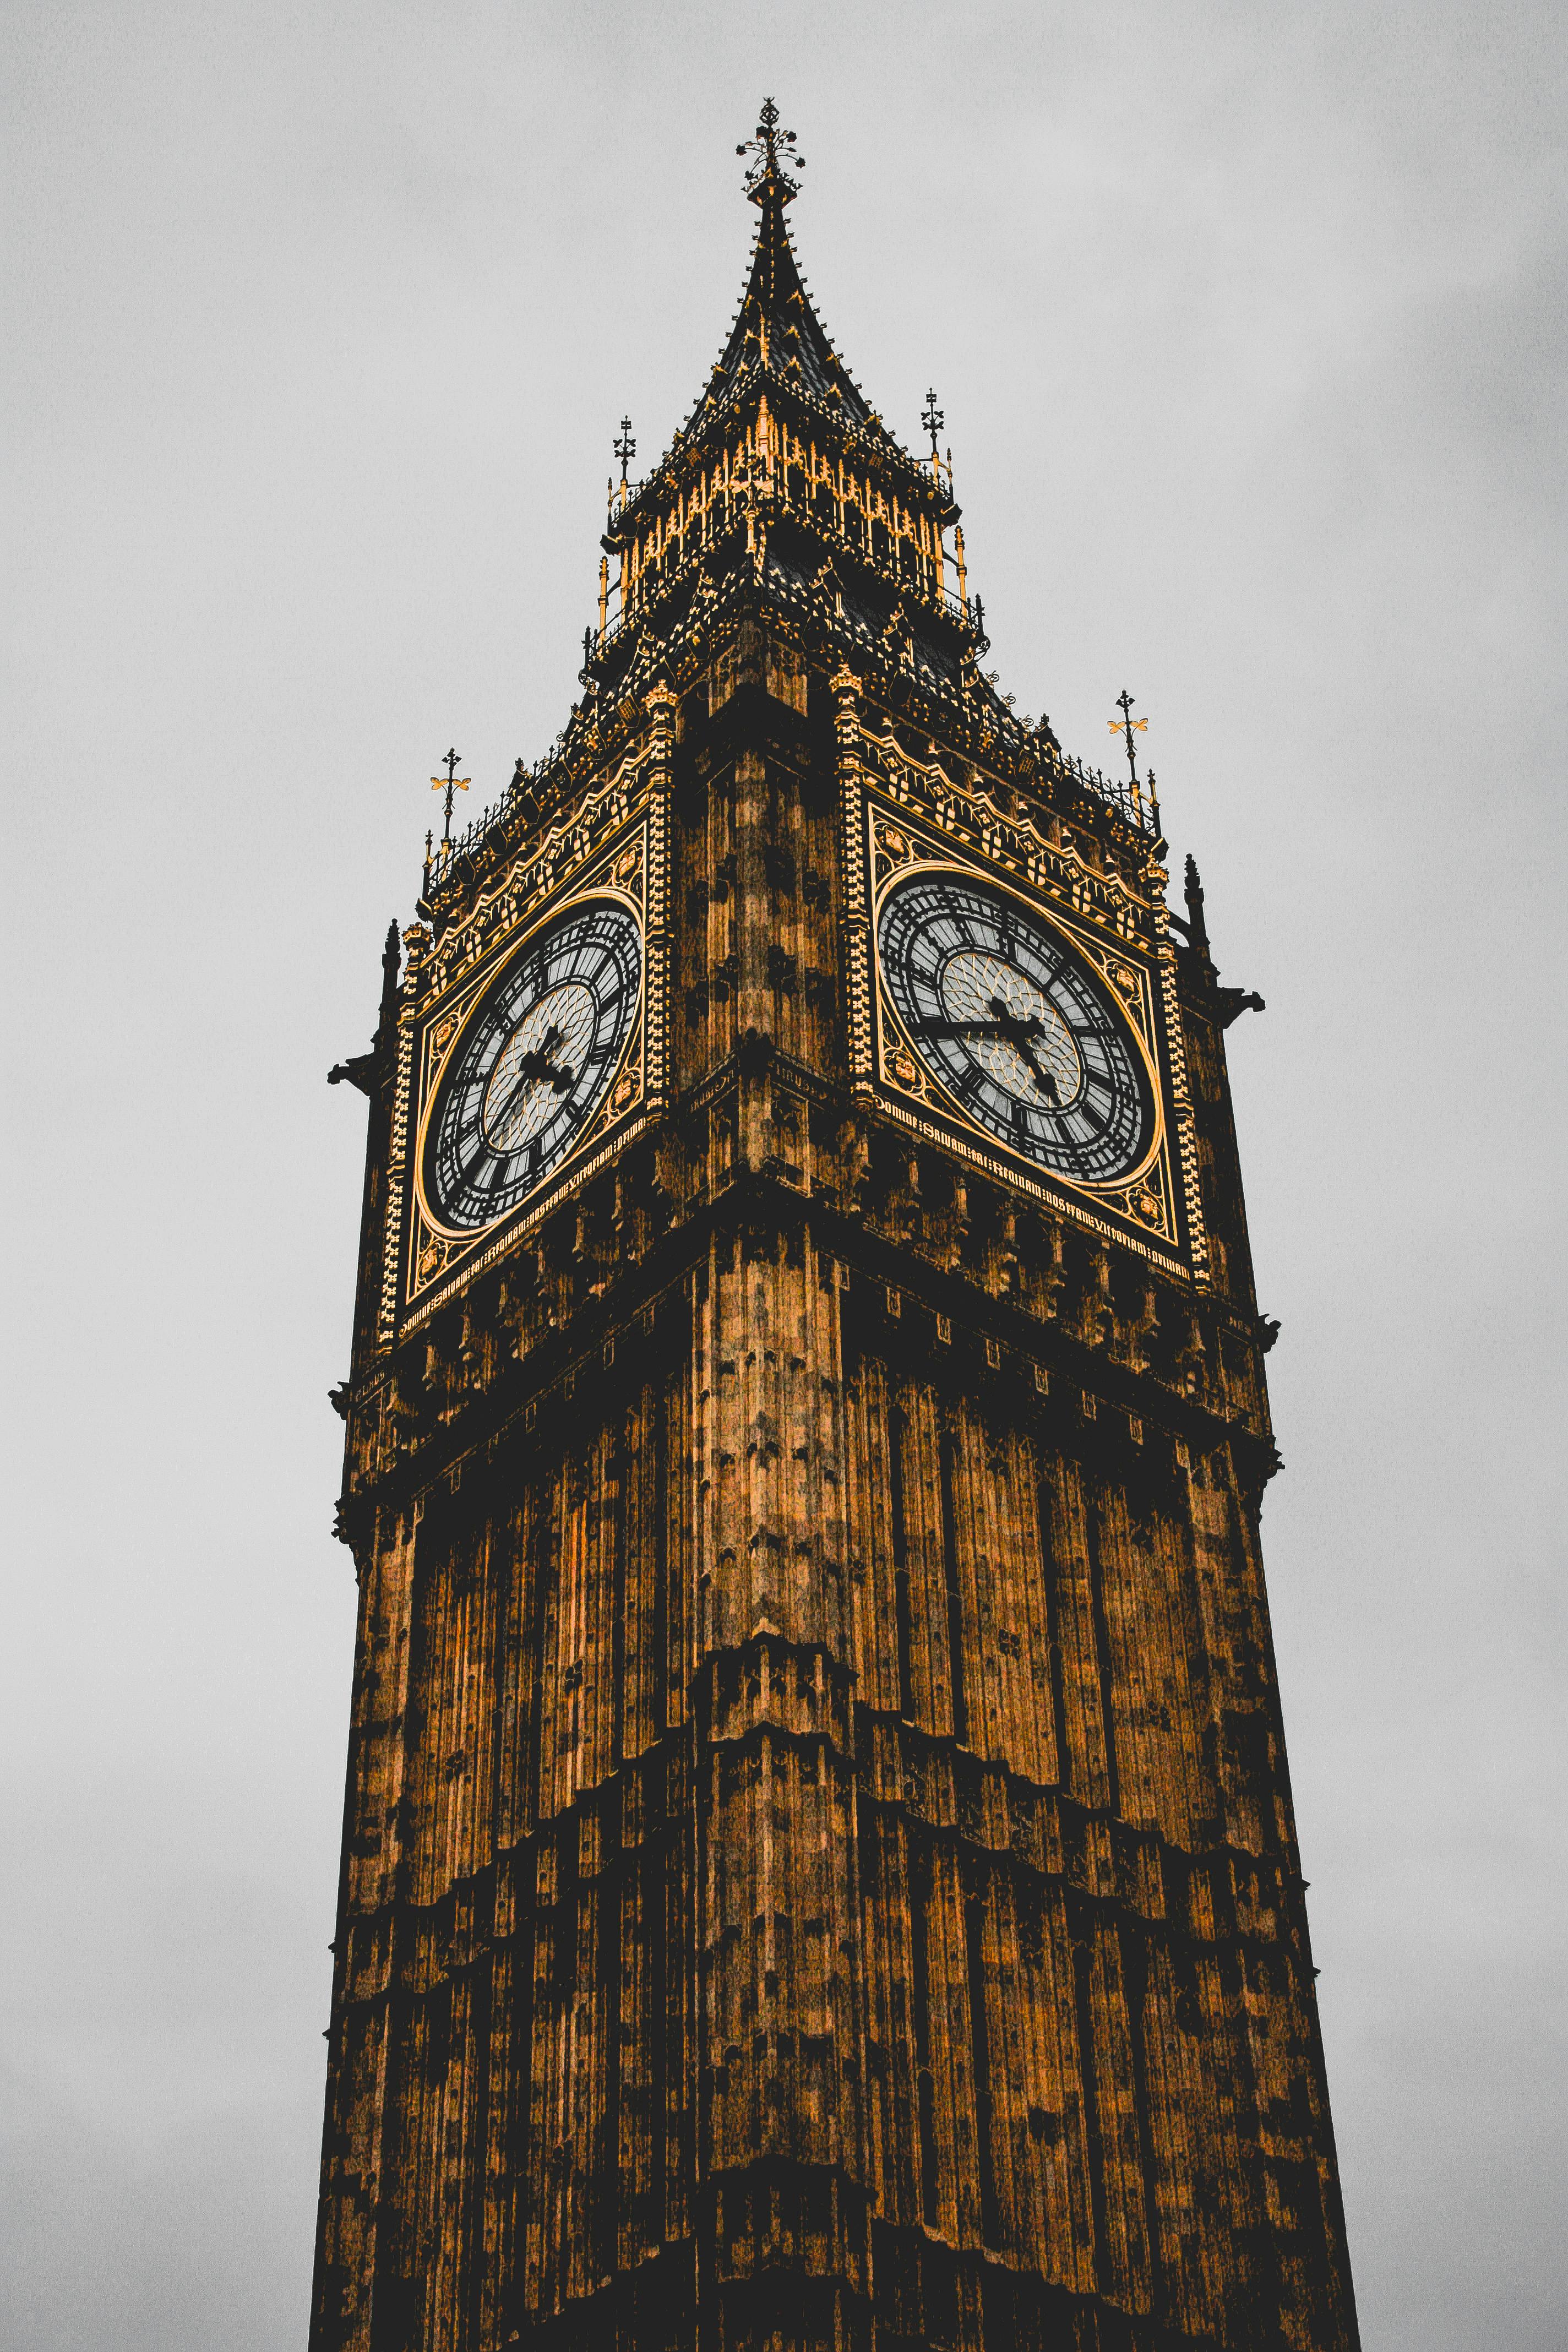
1248, 324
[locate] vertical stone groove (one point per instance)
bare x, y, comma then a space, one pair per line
918, 1867
897, 1440
958, 1690
1104, 1664
979, 2058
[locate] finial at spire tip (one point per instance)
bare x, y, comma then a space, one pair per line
768, 177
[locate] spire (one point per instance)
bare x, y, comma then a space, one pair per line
776, 326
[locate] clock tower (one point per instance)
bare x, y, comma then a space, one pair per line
818, 1867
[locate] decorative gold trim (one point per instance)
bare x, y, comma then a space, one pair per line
615, 848
416, 939
1139, 978
662, 705
852, 805
1182, 1117
1134, 1018
1048, 860
442, 1039
526, 877
531, 879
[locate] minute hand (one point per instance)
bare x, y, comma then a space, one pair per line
967, 1028
1013, 1031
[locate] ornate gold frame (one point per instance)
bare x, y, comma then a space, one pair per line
625, 862
1155, 1207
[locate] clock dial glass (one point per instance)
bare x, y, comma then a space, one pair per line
1017, 1025
533, 1063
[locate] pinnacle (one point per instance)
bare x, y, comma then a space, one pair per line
776, 325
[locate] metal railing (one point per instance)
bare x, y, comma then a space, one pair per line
1140, 811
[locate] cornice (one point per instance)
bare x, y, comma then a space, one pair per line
1081, 1847
994, 1342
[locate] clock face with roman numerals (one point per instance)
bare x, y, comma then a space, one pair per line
533, 1062
1016, 1026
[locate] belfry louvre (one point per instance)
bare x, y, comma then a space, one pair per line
818, 1867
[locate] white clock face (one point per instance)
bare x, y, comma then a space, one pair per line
1017, 1025
533, 1063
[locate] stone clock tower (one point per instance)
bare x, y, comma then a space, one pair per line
818, 1868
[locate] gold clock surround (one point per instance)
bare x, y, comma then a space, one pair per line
1154, 1206
447, 985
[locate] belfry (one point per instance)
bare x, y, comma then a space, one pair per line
818, 1867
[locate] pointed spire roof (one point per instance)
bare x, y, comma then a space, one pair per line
776, 326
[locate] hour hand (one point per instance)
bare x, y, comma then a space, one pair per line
539, 1066
538, 1063
1021, 1036
1024, 1043
1043, 1077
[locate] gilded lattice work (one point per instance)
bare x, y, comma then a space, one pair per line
1045, 852
532, 877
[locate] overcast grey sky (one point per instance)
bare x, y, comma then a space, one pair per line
1248, 324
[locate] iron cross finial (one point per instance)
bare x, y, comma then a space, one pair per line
625, 449
933, 418
1129, 727
775, 158
449, 783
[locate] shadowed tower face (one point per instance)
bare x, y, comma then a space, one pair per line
818, 1867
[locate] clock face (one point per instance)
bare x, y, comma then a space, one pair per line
533, 1063
1016, 1026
